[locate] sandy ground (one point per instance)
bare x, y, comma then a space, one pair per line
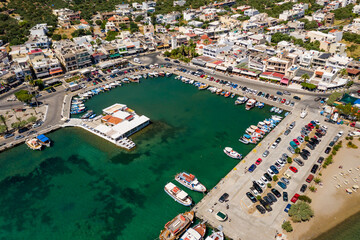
333, 205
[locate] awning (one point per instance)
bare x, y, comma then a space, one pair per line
115, 55
284, 81
321, 87
132, 52
236, 70
211, 65
249, 73
56, 71
221, 68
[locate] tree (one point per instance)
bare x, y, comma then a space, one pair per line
64, 36
139, 18
305, 77
317, 180
334, 97
301, 211
297, 150
289, 160
305, 198
56, 37
32, 119
3, 120
134, 27
3, 129
343, 72
307, 138
275, 178
287, 226
269, 185
98, 22
23, 96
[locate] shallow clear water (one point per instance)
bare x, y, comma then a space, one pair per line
86, 188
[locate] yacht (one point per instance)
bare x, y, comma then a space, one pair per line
231, 153
190, 181
241, 100
177, 194
215, 236
195, 233
174, 228
250, 104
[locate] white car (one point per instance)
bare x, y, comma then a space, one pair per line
282, 163
264, 179
324, 127
261, 183
340, 133
300, 138
274, 145
271, 172
278, 165
317, 122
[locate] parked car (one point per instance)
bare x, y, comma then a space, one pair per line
309, 178
272, 197
287, 131
223, 197
297, 98
252, 168
268, 177
258, 161
276, 192
298, 161
19, 137
274, 169
314, 168
285, 180
295, 198
257, 187
9, 135
291, 150
327, 150
320, 160
293, 169
303, 188
281, 184
251, 197
260, 209
285, 197
287, 208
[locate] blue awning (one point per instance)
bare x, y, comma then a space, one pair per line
43, 138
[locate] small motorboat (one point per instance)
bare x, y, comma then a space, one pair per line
244, 140
272, 109
215, 236
231, 153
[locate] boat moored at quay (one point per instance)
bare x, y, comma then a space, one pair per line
195, 233
231, 153
190, 181
33, 144
177, 194
174, 228
250, 104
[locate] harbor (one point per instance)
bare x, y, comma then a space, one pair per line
158, 158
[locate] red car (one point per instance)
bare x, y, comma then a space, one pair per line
283, 101
294, 169
295, 198
258, 161
296, 141
310, 125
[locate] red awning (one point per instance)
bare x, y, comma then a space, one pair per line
284, 81
56, 71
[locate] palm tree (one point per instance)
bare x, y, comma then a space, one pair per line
305, 77
3, 120
343, 72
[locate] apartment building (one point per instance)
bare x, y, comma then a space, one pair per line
72, 56
42, 65
275, 64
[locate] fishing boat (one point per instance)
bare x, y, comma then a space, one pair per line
231, 153
233, 95
195, 233
33, 144
43, 140
227, 94
241, 100
249, 130
280, 111
174, 228
177, 194
87, 115
190, 181
215, 236
92, 116
218, 91
203, 87
250, 104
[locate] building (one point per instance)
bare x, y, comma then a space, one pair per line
117, 20
356, 9
320, 59
42, 65
119, 122
320, 36
336, 48
289, 15
275, 64
72, 56
251, 12
329, 19
179, 3
213, 50
38, 37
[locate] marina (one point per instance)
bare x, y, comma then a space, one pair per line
173, 131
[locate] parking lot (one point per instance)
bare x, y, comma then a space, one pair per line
244, 219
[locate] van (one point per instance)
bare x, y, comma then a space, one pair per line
309, 178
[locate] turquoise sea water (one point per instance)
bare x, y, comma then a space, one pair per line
86, 188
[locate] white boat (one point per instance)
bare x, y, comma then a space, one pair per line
195, 233
280, 111
215, 236
272, 109
244, 140
177, 194
33, 144
190, 181
241, 100
231, 153
250, 104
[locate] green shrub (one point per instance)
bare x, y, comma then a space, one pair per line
301, 211
258, 197
269, 185
305, 198
307, 138
312, 189
289, 160
317, 180
287, 226
297, 150
275, 178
